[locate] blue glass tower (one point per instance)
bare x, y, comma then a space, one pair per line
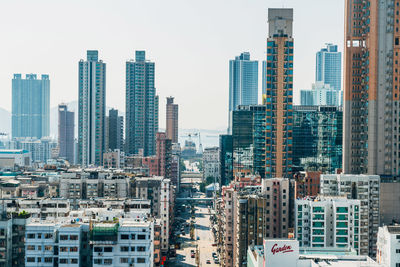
243, 83
329, 66
30, 106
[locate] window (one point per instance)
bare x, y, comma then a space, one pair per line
30, 247
48, 260
48, 248
397, 250
63, 261
98, 261
141, 249
30, 259
48, 236
107, 261
74, 261
73, 249
108, 249
141, 260
73, 237
124, 236
63, 237
132, 248
31, 236
98, 249
133, 236
123, 260
141, 237
124, 249
63, 249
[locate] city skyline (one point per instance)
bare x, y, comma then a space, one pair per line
218, 40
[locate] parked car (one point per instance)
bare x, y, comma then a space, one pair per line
208, 262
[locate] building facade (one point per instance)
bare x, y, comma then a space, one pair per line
328, 68
328, 222
243, 83
371, 87
226, 159
141, 106
30, 106
248, 140
211, 164
92, 109
66, 133
115, 131
317, 138
172, 120
388, 246
278, 96
365, 188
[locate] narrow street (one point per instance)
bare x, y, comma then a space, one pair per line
202, 234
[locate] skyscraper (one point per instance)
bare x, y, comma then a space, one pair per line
115, 131
92, 109
329, 66
243, 83
172, 120
371, 87
278, 96
141, 106
30, 106
248, 140
66, 132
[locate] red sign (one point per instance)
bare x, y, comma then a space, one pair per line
284, 249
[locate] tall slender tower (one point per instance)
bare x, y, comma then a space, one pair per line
141, 106
371, 87
30, 106
66, 130
278, 96
92, 109
243, 83
172, 120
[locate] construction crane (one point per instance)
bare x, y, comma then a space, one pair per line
196, 134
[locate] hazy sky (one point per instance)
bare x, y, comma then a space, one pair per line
190, 41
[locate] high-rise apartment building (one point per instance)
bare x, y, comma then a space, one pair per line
243, 83
329, 66
115, 131
92, 109
328, 222
371, 87
66, 133
172, 120
141, 106
248, 140
317, 138
366, 189
30, 106
278, 96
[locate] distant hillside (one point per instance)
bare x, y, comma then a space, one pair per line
5, 121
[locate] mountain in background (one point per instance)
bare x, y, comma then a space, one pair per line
5, 121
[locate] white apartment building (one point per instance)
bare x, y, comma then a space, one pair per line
328, 222
388, 246
129, 243
40, 240
211, 163
365, 188
73, 245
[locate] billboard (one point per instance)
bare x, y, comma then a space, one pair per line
281, 252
